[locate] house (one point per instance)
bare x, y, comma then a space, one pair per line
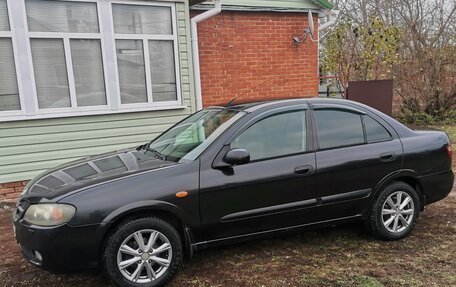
81, 77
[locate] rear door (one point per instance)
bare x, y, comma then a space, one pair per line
274, 190
355, 152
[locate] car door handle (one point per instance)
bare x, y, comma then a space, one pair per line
304, 170
387, 156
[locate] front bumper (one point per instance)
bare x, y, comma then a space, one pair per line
61, 248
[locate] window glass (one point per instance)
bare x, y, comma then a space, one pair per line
4, 20
277, 135
136, 19
338, 128
132, 73
9, 93
189, 138
375, 132
88, 72
163, 71
50, 73
61, 16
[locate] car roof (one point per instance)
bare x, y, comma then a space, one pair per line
252, 106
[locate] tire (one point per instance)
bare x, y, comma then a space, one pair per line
157, 267
387, 220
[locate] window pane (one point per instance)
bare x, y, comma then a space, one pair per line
50, 73
163, 71
9, 93
88, 72
375, 131
136, 19
337, 128
4, 21
132, 74
278, 135
61, 16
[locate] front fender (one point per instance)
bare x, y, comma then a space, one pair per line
143, 206
146, 205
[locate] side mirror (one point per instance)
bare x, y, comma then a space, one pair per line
237, 156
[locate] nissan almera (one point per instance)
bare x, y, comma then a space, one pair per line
226, 174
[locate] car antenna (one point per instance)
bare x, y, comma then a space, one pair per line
232, 101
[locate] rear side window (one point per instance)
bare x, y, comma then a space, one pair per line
277, 135
338, 128
375, 132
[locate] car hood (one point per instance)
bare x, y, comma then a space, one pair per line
91, 170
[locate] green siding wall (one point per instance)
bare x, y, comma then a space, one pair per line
290, 4
28, 148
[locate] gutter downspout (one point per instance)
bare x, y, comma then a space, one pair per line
195, 48
331, 18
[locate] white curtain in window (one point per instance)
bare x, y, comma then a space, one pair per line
163, 71
9, 94
132, 74
61, 16
136, 19
50, 73
4, 21
88, 72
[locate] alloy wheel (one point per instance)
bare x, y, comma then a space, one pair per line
144, 256
397, 212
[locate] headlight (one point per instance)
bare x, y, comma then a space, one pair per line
49, 214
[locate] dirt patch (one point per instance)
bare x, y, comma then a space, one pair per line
340, 256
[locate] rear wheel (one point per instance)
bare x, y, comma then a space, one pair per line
143, 252
395, 211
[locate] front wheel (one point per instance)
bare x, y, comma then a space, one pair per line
145, 252
394, 212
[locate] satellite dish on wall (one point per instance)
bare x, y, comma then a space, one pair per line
310, 30
311, 23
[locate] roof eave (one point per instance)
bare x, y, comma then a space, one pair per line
323, 3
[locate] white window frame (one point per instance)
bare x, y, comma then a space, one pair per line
66, 37
11, 35
21, 37
145, 38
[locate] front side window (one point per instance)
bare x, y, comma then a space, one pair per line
145, 47
338, 128
9, 92
66, 52
189, 138
277, 135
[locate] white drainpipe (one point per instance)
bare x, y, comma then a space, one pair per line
331, 18
196, 62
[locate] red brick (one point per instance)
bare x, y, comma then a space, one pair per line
6, 191
12, 184
251, 55
12, 195
19, 189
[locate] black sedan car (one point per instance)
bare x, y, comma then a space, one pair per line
226, 174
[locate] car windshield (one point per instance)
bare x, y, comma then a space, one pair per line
189, 138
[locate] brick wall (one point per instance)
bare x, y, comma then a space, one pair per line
252, 55
11, 191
